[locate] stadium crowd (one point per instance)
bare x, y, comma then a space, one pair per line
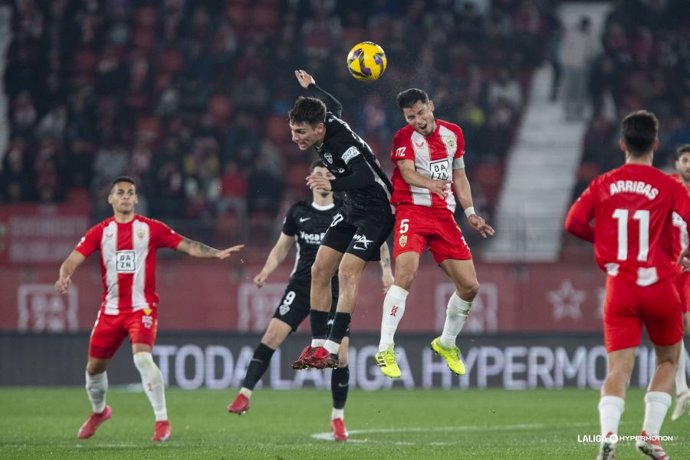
190, 97
644, 63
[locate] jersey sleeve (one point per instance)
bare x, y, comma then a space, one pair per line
681, 203
165, 236
581, 213
402, 147
91, 241
458, 161
290, 222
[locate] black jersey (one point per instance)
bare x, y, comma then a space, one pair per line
350, 159
308, 225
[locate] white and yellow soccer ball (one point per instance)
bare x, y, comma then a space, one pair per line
366, 61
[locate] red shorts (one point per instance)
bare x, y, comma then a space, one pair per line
110, 330
683, 286
628, 306
419, 227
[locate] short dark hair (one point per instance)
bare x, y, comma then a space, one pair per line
683, 149
123, 179
316, 164
639, 130
308, 110
410, 97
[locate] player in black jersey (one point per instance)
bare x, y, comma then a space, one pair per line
357, 232
305, 224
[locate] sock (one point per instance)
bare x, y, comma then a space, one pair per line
393, 311
340, 384
681, 380
319, 325
247, 392
456, 314
152, 381
257, 366
96, 386
655, 408
610, 410
341, 324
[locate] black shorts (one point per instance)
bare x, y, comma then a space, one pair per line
294, 306
360, 234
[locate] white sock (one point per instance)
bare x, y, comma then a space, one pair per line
393, 311
246, 391
655, 408
610, 410
338, 413
315, 343
152, 381
456, 314
332, 347
96, 386
681, 380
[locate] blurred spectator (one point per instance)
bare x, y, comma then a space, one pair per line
191, 97
576, 53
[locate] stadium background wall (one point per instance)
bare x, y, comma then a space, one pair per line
218, 361
219, 296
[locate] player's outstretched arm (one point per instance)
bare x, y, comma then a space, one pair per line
463, 193
200, 250
277, 255
306, 81
67, 270
386, 272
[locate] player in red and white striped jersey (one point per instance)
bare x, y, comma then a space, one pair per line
127, 243
682, 281
429, 174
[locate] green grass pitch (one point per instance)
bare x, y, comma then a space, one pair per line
41, 423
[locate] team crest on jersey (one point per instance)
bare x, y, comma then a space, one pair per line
328, 157
283, 309
402, 241
141, 233
449, 141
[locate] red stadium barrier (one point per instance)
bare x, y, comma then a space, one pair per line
219, 296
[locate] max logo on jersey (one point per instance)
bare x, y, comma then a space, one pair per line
400, 152
362, 243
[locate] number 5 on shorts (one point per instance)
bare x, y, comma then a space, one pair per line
404, 226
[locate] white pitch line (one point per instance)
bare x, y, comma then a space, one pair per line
328, 436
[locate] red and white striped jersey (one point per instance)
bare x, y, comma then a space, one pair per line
680, 228
128, 260
435, 156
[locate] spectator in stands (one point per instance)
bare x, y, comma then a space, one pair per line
577, 51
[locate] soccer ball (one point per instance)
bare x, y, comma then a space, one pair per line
366, 61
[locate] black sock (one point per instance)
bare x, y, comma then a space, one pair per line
340, 384
319, 324
257, 366
341, 323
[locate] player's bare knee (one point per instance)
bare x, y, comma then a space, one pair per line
319, 274
96, 367
405, 278
348, 276
468, 291
271, 339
